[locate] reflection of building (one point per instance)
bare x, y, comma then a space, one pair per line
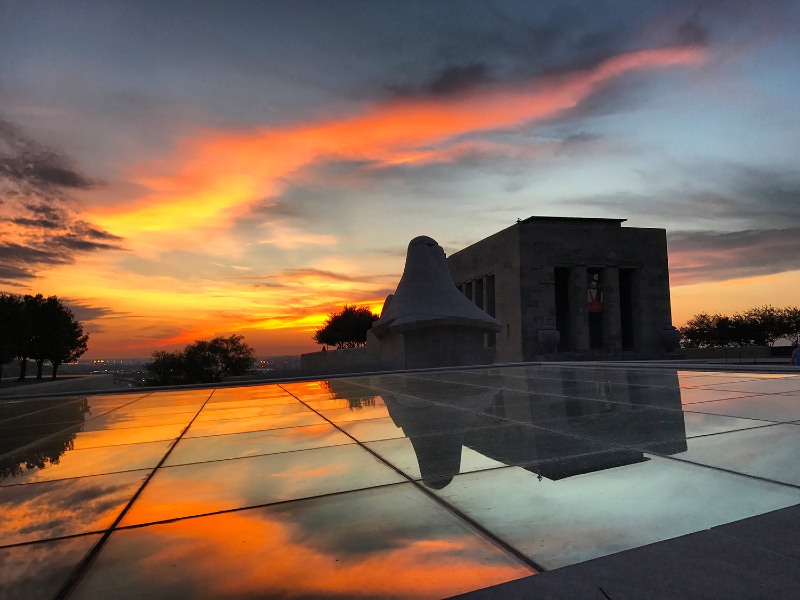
604, 287
562, 424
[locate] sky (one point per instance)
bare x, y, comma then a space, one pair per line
180, 170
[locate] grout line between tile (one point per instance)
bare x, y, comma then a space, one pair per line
83, 566
215, 460
77, 427
487, 533
225, 511
45, 481
51, 539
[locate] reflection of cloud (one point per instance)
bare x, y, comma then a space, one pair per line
311, 472
417, 553
64, 507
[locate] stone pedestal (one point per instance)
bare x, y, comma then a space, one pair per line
548, 340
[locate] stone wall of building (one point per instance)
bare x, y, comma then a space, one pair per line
542, 268
347, 360
498, 255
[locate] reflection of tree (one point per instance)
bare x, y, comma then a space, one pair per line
354, 401
33, 444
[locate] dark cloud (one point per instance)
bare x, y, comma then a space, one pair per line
295, 273
272, 208
37, 220
581, 137
84, 310
280, 279
699, 256
71, 241
763, 192
692, 31
32, 168
11, 273
36, 223
456, 78
25, 256
448, 80
510, 42
716, 195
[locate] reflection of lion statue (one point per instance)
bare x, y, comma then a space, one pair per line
436, 431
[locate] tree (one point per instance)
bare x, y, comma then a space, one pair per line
21, 329
768, 322
55, 335
167, 368
235, 357
741, 331
40, 328
760, 326
10, 328
700, 331
346, 328
203, 361
791, 320
68, 342
41, 314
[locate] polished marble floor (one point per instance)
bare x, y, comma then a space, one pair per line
407, 485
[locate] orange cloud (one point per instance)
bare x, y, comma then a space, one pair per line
215, 177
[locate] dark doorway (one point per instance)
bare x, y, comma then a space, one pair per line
562, 306
626, 279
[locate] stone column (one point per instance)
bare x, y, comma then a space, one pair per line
612, 318
578, 309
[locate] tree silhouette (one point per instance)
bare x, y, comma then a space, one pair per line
55, 335
769, 321
791, 318
167, 368
760, 326
39, 328
11, 334
203, 361
67, 341
346, 328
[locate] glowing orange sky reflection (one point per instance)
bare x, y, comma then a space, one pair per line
274, 552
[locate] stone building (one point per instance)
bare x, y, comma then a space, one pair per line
603, 287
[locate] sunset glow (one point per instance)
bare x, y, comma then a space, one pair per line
256, 190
